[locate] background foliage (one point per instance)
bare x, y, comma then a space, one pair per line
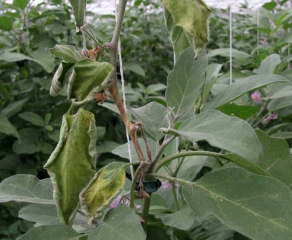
30, 118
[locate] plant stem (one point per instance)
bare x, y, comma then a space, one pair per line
132, 193
145, 211
185, 154
174, 195
160, 151
171, 179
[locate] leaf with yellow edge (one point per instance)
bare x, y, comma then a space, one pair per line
102, 189
193, 17
88, 78
72, 163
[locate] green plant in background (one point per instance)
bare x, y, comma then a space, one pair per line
223, 177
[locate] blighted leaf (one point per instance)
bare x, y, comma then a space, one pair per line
119, 223
50, 232
241, 87
102, 189
88, 78
60, 78
67, 52
153, 116
7, 128
177, 35
257, 206
26, 188
185, 81
277, 160
72, 164
193, 17
79, 7
222, 131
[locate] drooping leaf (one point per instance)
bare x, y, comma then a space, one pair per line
72, 164
7, 128
50, 232
102, 189
242, 86
122, 150
222, 131
60, 78
193, 17
257, 206
185, 82
183, 219
88, 78
153, 116
269, 64
119, 223
67, 52
33, 118
276, 160
26, 188
13, 108
79, 7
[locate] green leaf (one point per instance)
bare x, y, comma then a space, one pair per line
153, 116
279, 103
193, 17
277, 160
122, 150
7, 128
40, 214
25, 146
243, 112
222, 131
191, 166
178, 37
50, 232
33, 118
79, 7
60, 78
102, 189
257, 206
26, 188
183, 219
241, 87
270, 5
72, 164
135, 68
239, 56
90, 77
6, 22
13, 108
43, 58
185, 81
67, 52
119, 223
284, 135
211, 76
269, 64
20, 3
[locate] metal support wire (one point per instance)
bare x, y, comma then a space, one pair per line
230, 40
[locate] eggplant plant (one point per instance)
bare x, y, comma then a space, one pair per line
200, 168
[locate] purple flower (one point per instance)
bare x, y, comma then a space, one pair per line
124, 200
167, 185
256, 97
271, 117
